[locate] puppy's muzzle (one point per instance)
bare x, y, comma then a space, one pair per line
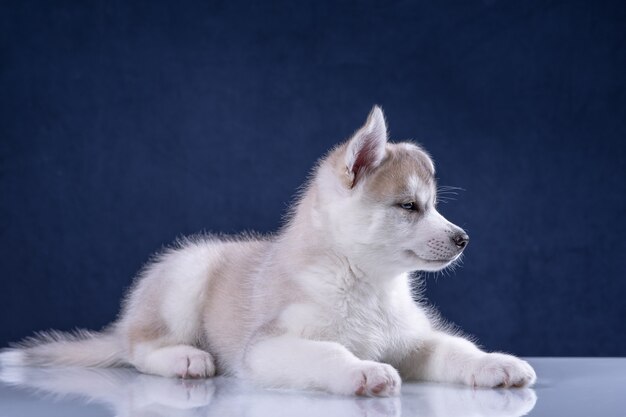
460, 240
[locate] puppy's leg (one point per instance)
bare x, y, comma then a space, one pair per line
291, 362
181, 361
441, 357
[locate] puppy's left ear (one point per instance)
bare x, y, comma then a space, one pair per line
366, 149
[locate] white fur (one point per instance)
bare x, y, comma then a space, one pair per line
12, 358
325, 304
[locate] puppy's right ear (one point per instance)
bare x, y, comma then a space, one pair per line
366, 148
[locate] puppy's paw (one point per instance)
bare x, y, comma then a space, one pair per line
194, 364
497, 370
375, 380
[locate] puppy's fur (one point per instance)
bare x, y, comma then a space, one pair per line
324, 304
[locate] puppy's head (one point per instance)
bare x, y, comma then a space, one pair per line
379, 201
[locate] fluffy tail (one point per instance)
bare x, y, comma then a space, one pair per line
80, 348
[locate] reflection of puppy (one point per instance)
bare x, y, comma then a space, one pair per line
130, 394
126, 392
325, 304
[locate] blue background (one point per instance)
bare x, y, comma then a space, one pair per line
125, 124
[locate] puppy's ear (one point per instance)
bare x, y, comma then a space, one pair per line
366, 149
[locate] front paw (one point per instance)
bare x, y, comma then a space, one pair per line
500, 370
373, 379
377, 380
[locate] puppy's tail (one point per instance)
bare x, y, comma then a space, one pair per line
80, 348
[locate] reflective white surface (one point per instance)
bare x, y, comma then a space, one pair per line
566, 386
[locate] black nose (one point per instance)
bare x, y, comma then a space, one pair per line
460, 240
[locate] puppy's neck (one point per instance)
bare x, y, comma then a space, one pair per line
307, 240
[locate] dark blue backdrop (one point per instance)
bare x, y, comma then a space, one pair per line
124, 124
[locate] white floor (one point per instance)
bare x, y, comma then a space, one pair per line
566, 387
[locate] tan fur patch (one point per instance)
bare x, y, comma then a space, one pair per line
391, 179
145, 331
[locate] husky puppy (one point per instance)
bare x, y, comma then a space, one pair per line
324, 304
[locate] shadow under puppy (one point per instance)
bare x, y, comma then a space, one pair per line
325, 303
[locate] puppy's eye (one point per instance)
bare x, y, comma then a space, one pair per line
409, 206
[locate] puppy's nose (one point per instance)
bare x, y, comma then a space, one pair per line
461, 240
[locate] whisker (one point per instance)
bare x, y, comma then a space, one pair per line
449, 187
445, 198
